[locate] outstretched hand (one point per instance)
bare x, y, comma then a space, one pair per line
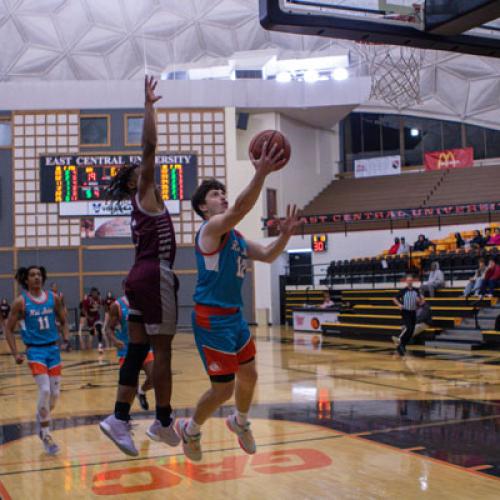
149, 90
291, 222
269, 161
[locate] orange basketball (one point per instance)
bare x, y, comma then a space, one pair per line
272, 137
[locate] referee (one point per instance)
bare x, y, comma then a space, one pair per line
408, 299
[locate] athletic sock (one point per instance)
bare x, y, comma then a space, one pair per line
241, 418
122, 411
192, 428
44, 431
163, 414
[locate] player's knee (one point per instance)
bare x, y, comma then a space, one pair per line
129, 372
247, 374
223, 391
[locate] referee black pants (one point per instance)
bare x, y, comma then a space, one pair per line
409, 322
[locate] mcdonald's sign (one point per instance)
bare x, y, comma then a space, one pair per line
449, 158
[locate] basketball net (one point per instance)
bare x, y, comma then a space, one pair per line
394, 72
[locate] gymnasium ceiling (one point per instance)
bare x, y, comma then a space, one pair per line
110, 40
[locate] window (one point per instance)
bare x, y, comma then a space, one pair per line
371, 133
432, 135
413, 134
133, 130
391, 137
474, 136
95, 130
452, 135
492, 143
5, 133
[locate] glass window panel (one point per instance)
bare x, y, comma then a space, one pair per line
134, 129
452, 135
432, 135
492, 143
354, 133
93, 130
371, 133
391, 125
475, 137
5, 133
413, 129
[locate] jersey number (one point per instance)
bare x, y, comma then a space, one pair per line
242, 267
43, 322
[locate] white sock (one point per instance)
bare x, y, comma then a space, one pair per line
44, 431
241, 418
192, 428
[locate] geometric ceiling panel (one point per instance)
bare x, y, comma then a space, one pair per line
119, 39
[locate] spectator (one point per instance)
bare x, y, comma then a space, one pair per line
422, 244
459, 240
435, 280
4, 312
491, 279
395, 248
327, 300
476, 281
495, 238
487, 235
404, 248
478, 241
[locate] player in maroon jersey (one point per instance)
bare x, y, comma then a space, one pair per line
151, 289
92, 312
108, 301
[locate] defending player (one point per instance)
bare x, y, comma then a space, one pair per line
117, 331
37, 311
151, 289
92, 311
221, 333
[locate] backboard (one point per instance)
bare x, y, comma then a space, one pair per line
471, 27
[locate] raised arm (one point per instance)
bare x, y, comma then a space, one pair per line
15, 315
146, 182
220, 224
61, 315
113, 321
287, 227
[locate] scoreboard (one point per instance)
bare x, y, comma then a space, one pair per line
319, 243
85, 178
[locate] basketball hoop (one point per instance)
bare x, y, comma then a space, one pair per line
394, 71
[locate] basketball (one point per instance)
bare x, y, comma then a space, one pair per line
272, 137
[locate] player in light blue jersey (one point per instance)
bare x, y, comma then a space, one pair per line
37, 311
117, 332
221, 333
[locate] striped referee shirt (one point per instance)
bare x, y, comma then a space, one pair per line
408, 297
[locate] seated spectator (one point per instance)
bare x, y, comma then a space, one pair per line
491, 279
476, 281
487, 235
422, 244
435, 280
478, 241
404, 248
395, 248
327, 300
459, 241
494, 238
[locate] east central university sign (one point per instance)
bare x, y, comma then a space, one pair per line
398, 215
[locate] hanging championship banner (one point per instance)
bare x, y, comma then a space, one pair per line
372, 167
450, 158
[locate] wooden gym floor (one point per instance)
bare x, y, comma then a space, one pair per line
333, 419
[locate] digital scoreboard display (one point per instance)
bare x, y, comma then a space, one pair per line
319, 243
79, 178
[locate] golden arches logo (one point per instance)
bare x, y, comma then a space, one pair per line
447, 159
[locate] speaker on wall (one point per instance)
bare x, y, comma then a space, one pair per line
242, 121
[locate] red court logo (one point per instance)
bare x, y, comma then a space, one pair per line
159, 477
